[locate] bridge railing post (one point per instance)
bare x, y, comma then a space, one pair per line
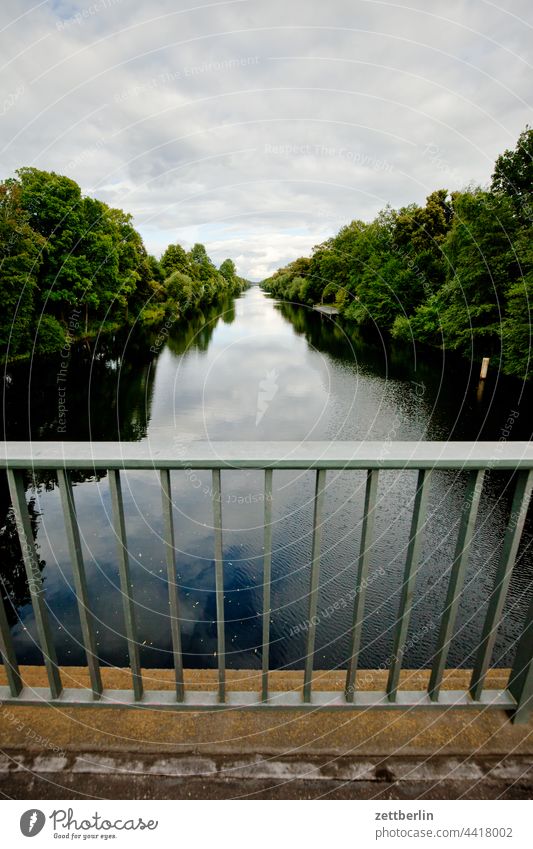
520, 683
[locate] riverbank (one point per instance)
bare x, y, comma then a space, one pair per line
454, 274
71, 267
154, 317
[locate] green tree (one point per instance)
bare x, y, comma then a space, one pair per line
228, 270
517, 325
481, 263
182, 291
20, 259
421, 228
156, 270
133, 265
202, 268
55, 208
513, 174
174, 259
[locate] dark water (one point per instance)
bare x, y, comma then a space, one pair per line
255, 369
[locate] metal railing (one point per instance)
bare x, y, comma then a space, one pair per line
475, 458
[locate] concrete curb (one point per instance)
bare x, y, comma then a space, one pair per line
126, 776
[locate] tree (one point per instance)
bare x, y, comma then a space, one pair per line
133, 266
421, 228
55, 209
481, 261
20, 259
202, 268
513, 174
517, 325
182, 291
99, 246
156, 270
228, 270
174, 259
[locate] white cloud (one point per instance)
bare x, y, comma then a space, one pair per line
258, 128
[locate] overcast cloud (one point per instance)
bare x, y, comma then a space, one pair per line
259, 127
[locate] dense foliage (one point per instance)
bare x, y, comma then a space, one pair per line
71, 266
456, 273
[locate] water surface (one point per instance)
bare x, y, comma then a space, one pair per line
255, 369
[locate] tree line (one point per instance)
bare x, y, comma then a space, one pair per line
456, 273
72, 266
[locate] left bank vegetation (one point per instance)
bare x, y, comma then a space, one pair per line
71, 267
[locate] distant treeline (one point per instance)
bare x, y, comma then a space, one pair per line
456, 273
71, 266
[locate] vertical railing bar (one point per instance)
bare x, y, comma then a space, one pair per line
219, 585
119, 526
367, 531
175, 620
520, 684
457, 576
314, 583
80, 579
511, 541
35, 581
267, 578
7, 651
412, 563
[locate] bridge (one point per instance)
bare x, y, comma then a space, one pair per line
425, 458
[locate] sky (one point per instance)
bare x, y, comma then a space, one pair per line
260, 127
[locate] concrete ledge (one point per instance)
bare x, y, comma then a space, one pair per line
121, 776
406, 732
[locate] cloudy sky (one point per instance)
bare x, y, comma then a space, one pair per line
259, 127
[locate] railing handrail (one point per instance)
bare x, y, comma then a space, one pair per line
265, 454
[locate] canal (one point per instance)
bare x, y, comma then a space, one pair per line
256, 369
